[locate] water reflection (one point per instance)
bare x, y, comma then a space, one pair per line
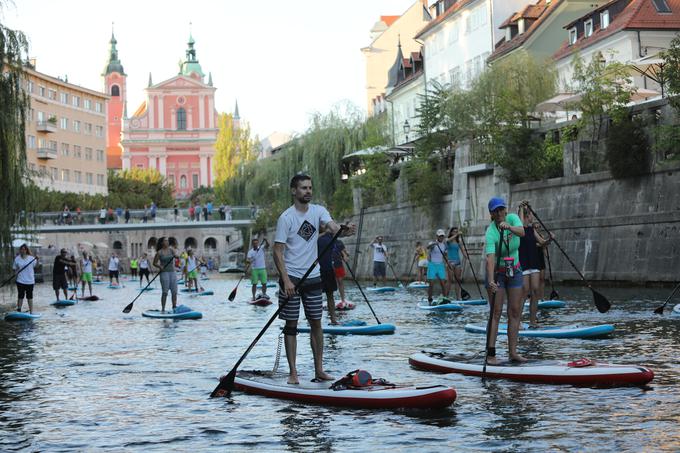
305, 428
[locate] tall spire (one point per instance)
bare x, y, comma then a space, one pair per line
190, 64
236, 115
210, 82
150, 81
394, 75
114, 64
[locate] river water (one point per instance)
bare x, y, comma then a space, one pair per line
89, 378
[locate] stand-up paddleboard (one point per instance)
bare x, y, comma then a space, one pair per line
115, 286
192, 290
181, 312
147, 288
261, 300
354, 328
574, 331
372, 397
470, 302
180, 281
269, 285
417, 285
99, 282
345, 305
207, 292
21, 316
381, 289
204, 278
73, 288
676, 310
548, 304
439, 305
579, 372
63, 303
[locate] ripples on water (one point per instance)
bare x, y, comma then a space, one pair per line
89, 377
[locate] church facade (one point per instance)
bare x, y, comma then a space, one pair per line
174, 130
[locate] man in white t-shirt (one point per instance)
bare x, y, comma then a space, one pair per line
258, 268
114, 265
295, 253
379, 260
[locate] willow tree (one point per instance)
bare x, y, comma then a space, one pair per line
13, 108
233, 148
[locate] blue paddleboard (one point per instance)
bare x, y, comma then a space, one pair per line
63, 303
351, 328
181, 312
21, 316
381, 289
574, 331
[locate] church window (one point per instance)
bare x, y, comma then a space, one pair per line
183, 182
115, 90
181, 119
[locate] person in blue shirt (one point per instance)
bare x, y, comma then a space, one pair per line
454, 250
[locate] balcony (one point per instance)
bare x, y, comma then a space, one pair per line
46, 126
47, 153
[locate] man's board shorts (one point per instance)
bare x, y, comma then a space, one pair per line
59, 282
86, 277
378, 268
258, 276
310, 294
328, 281
143, 271
339, 272
113, 274
25, 290
436, 271
192, 274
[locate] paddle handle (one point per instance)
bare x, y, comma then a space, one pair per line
361, 291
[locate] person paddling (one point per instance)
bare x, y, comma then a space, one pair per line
505, 280
295, 251
114, 267
380, 256
24, 265
164, 256
530, 253
421, 257
143, 269
258, 269
454, 249
59, 273
435, 265
134, 265
328, 282
86, 272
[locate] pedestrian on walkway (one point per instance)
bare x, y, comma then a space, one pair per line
127, 215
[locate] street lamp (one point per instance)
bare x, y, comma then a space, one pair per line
407, 129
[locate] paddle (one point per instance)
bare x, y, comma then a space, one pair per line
472, 268
395, 274
492, 302
18, 272
226, 384
553, 294
232, 294
659, 310
128, 308
410, 269
361, 290
463, 293
601, 302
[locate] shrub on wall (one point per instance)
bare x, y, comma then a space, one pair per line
628, 152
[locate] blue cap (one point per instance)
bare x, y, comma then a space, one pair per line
495, 203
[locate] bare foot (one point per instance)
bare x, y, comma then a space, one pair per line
334, 322
492, 361
324, 376
293, 378
533, 324
517, 358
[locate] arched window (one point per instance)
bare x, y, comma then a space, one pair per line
115, 90
117, 245
151, 243
190, 242
210, 244
181, 119
172, 241
183, 182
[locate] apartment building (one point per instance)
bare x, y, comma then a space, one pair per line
66, 135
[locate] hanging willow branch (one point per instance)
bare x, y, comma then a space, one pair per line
13, 108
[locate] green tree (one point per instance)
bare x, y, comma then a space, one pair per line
14, 104
233, 148
670, 75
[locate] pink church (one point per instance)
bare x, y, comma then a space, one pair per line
175, 129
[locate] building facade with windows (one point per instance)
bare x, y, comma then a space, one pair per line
115, 86
174, 131
461, 37
405, 88
65, 135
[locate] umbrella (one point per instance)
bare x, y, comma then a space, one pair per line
554, 104
640, 95
652, 67
101, 245
86, 243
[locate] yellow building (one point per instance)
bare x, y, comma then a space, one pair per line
65, 135
380, 54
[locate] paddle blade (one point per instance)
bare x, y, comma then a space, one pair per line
601, 302
464, 294
128, 309
659, 310
232, 295
225, 386
554, 295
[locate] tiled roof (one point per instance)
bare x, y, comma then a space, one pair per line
442, 17
542, 9
389, 20
638, 15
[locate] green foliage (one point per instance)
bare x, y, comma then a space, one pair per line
670, 75
14, 105
128, 189
234, 147
318, 152
628, 152
667, 142
377, 184
428, 182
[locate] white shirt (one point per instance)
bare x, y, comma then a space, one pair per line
87, 265
102, 213
27, 276
379, 252
113, 263
256, 257
191, 263
300, 231
435, 254
143, 263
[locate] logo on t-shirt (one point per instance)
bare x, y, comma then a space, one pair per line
306, 230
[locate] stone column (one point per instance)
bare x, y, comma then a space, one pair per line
161, 119
151, 109
152, 161
190, 116
201, 109
211, 112
204, 170
162, 164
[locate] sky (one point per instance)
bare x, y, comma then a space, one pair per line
282, 59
